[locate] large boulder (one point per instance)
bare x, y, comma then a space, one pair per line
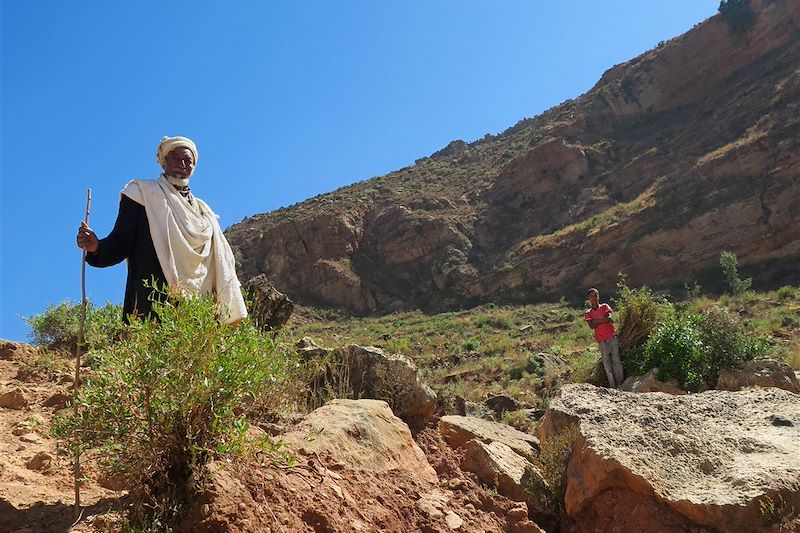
269, 307
759, 373
374, 373
660, 463
362, 434
458, 430
649, 382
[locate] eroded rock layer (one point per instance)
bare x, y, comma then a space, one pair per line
683, 152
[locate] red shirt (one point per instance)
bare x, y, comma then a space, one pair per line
606, 331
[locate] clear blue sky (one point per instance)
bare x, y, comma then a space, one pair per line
285, 100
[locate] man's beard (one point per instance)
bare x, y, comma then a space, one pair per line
178, 182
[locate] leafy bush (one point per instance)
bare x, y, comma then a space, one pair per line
57, 327
787, 292
173, 395
471, 345
727, 344
676, 349
728, 261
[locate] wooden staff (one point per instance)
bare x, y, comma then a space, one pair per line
76, 465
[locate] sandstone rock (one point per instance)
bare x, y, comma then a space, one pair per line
16, 399
270, 308
10, 350
40, 461
498, 466
391, 377
676, 463
363, 434
453, 520
759, 373
458, 430
650, 383
433, 503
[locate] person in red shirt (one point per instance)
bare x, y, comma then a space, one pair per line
599, 319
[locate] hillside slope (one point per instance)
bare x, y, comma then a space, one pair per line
674, 156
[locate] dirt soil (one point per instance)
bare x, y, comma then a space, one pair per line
36, 484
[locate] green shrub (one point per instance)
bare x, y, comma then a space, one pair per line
173, 395
728, 261
471, 345
675, 348
57, 327
787, 292
726, 342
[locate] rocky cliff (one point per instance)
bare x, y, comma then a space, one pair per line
683, 152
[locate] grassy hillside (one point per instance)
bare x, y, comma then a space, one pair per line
491, 349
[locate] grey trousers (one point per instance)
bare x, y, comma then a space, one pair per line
610, 351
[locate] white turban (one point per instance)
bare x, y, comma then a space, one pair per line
168, 144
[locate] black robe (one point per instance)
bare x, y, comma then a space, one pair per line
130, 239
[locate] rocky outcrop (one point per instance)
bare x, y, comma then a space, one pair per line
370, 372
357, 470
458, 430
362, 434
269, 308
759, 373
685, 151
660, 463
375, 373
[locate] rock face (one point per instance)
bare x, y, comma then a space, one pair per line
760, 373
270, 308
674, 156
660, 463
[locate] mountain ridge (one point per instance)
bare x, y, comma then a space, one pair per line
672, 157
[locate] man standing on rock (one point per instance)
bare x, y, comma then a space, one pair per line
170, 237
599, 319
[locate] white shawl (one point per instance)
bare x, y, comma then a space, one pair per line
193, 252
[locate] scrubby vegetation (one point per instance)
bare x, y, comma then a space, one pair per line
172, 395
547, 492
57, 327
492, 349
